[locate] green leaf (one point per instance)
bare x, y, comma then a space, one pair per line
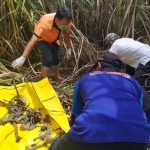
64, 90
7, 15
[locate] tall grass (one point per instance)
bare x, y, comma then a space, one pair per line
92, 21
94, 18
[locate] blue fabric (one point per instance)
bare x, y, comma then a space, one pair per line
77, 104
111, 109
141, 97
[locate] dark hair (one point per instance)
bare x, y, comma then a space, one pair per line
64, 12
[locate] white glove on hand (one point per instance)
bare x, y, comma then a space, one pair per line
68, 53
18, 62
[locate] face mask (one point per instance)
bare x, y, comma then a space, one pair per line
63, 27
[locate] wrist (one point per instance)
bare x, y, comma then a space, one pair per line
23, 58
68, 49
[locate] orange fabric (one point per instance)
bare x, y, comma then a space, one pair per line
45, 30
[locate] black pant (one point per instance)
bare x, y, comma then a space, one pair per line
66, 143
130, 70
50, 53
141, 73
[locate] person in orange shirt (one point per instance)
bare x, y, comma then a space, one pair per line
46, 35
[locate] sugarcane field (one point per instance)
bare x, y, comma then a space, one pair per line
75, 75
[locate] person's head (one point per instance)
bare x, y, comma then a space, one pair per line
108, 60
63, 17
110, 38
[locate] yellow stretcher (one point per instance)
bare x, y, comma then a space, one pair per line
38, 95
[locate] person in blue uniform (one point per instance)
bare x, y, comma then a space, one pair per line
110, 111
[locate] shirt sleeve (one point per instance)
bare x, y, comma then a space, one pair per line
77, 105
39, 28
115, 48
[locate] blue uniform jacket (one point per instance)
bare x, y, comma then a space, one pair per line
108, 107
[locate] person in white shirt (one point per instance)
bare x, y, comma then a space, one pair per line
132, 53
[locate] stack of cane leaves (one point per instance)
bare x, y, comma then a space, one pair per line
21, 116
45, 135
92, 21
20, 113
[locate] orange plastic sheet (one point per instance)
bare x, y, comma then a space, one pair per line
38, 95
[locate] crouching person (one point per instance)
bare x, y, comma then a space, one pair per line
110, 111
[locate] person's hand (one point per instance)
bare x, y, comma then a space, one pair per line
18, 62
68, 54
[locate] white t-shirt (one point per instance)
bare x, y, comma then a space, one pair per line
131, 52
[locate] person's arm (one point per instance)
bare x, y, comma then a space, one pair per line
38, 31
34, 39
66, 34
68, 44
20, 61
115, 48
67, 40
77, 104
146, 103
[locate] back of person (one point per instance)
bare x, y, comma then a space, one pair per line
112, 110
109, 111
131, 52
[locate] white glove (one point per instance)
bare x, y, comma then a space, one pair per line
18, 62
68, 54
